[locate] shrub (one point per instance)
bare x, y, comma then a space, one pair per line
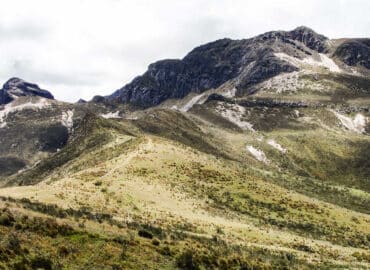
188, 260
145, 234
21, 264
11, 242
120, 240
63, 251
303, 247
166, 251
116, 267
155, 242
18, 226
41, 262
361, 256
6, 219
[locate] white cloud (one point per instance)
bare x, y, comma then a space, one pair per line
79, 48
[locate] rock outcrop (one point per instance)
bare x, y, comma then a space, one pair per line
16, 87
354, 52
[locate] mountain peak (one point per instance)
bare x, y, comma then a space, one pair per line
247, 62
309, 37
303, 28
16, 87
13, 84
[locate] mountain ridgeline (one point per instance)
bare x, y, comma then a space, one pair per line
247, 61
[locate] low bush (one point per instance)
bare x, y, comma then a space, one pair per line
6, 219
41, 262
156, 242
188, 260
145, 234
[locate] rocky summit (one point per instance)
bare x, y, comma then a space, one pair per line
245, 154
247, 62
16, 87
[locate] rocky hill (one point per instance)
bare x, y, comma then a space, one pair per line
32, 125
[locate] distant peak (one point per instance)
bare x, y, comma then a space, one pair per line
81, 101
16, 87
304, 28
309, 37
14, 79
12, 82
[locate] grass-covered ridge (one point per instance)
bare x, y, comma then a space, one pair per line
171, 187
174, 190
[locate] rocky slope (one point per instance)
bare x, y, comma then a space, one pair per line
245, 62
354, 52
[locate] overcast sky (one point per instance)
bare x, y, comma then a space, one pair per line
81, 48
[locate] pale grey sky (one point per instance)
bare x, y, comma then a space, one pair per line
81, 48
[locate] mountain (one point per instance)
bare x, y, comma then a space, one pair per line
245, 154
33, 125
246, 62
16, 87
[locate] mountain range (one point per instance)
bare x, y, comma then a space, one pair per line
245, 154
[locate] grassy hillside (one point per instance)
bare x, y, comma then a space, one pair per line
151, 196
32, 240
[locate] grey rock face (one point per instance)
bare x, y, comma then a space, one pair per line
205, 67
249, 61
309, 38
355, 52
16, 87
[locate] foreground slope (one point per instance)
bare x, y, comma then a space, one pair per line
158, 182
